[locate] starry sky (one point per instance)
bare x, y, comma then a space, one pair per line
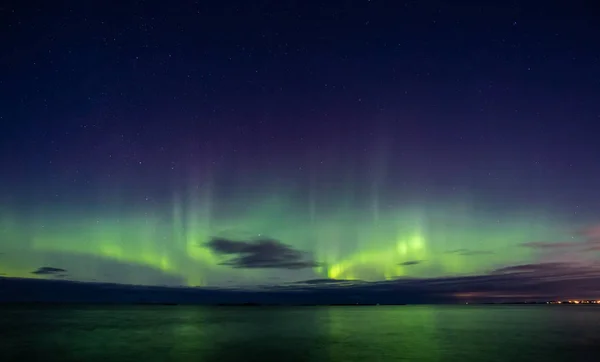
236, 144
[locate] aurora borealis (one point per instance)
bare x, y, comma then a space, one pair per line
210, 149
350, 245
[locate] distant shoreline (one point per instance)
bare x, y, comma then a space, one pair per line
58, 304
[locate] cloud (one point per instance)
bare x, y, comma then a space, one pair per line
261, 253
591, 233
555, 271
578, 249
411, 262
318, 281
534, 281
550, 245
48, 270
574, 246
469, 252
325, 282
529, 268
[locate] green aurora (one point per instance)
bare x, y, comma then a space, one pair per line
426, 240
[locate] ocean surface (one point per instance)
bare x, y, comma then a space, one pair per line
341, 334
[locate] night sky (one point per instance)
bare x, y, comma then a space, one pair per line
253, 143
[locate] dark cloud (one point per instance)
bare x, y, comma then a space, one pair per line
550, 245
108, 270
318, 281
530, 268
48, 270
456, 251
555, 271
262, 253
328, 282
411, 262
469, 252
511, 283
576, 246
590, 241
540, 281
591, 233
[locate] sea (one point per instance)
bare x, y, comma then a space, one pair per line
337, 333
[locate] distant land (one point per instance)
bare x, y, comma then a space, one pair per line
42, 291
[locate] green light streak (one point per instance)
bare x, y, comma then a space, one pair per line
350, 244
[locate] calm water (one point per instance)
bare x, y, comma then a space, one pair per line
402, 333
